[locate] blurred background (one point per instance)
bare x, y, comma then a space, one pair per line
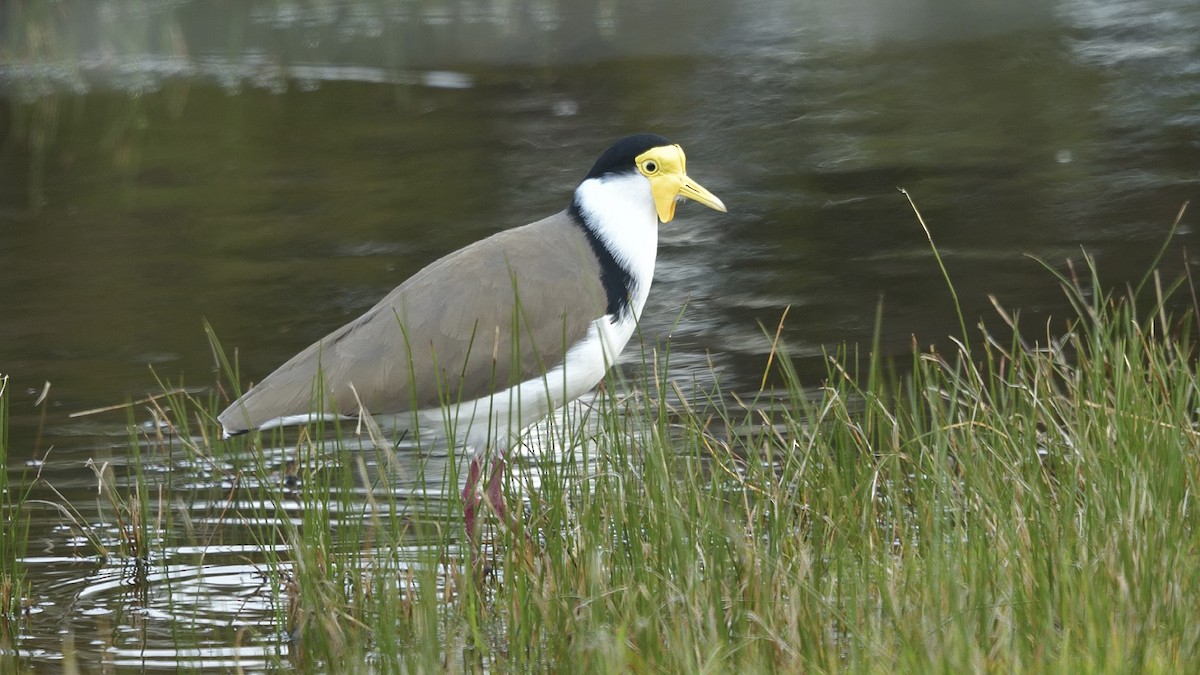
274, 167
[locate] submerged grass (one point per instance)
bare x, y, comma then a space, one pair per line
1027, 504
14, 535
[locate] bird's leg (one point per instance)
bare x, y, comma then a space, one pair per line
493, 493
471, 501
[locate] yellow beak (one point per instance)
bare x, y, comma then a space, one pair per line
692, 190
668, 189
666, 168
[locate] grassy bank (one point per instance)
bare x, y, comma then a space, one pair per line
1026, 506
1018, 504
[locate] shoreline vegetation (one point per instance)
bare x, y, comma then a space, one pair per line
1015, 503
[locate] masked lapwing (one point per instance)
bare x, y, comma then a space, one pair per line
493, 337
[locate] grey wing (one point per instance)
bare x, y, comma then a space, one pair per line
499, 312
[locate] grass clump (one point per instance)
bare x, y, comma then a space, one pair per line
1026, 504
1026, 507
14, 533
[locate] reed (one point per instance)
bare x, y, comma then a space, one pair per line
1026, 504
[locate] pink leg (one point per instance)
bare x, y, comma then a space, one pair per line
471, 499
493, 493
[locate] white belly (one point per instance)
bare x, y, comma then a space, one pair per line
496, 421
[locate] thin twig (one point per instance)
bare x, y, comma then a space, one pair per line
774, 347
122, 406
962, 322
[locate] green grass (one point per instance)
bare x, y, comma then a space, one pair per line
14, 534
1028, 505
10, 576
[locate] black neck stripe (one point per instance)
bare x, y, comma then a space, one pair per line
617, 281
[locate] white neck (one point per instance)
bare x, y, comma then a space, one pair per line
619, 210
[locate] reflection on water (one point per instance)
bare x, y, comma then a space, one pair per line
275, 167
177, 604
173, 557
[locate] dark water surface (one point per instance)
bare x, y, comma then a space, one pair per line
275, 169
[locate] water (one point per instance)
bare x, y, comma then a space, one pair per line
274, 169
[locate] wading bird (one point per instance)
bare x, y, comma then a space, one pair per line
497, 335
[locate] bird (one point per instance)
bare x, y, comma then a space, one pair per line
497, 335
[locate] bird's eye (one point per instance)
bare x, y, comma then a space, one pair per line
649, 166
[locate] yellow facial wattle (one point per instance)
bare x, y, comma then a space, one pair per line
666, 168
